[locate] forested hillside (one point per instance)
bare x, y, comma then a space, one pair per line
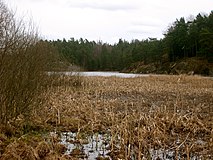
184, 39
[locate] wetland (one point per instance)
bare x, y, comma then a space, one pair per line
147, 117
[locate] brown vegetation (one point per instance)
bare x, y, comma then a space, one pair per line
190, 66
157, 112
141, 115
24, 59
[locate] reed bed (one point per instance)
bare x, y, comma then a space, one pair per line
154, 117
142, 115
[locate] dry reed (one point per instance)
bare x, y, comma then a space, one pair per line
169, 113
145, 117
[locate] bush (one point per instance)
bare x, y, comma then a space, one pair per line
23, 60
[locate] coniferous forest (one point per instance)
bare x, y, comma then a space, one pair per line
183, 39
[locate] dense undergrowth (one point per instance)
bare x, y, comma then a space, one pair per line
190, 66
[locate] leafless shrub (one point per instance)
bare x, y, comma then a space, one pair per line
23, 60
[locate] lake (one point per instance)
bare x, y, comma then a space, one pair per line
102, 74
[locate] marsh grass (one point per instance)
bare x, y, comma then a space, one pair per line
141, 115
146, 117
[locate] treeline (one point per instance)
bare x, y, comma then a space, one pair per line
192, 38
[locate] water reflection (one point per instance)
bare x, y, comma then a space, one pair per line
97, 145
90, 147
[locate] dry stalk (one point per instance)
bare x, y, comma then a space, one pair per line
122, 106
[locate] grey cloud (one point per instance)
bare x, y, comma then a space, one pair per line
147, 21
103, 6
146, 24
137, 31
94, 4
35, 1
143, 28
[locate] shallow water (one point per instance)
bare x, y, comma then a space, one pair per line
91, 146
97, 145
102, 74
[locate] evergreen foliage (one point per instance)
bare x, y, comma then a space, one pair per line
183, 39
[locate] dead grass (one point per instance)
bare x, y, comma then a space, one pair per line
155, 112
171, 113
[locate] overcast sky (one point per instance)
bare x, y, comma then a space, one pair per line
107, 20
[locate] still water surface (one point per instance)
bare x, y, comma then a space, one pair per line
105, 74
